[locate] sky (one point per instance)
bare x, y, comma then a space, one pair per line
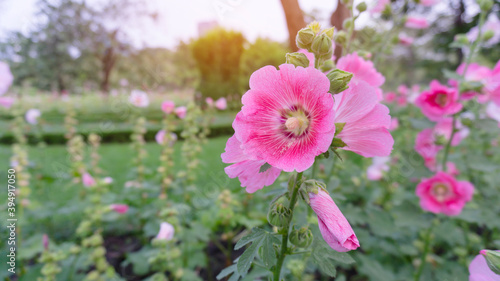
178, 19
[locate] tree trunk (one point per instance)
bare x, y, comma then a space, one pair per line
294, 20
337, 18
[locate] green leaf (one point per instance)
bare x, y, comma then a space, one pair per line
245, 260
254, 234
228, 270
262, 240
268, 254
326, 258
338, 128
264, 168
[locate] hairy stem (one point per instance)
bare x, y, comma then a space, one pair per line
424, 254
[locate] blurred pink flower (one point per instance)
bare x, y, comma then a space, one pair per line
493, 25
475, 73
334, 227
390, 97
438, 102
416, 22
451, 169
444, 127
6, 102
32, 115
403, 89
402, 101
6, 77
493, 111
139, 98
492, 85
107, 180
430, 163
166, 231
480, 271
377, 168
442, 193
287, 118
426, 146
380, 6
168, 106
427, 3
366, 121
88, 180
221, 104
405, 40
362, 70
160, 137
181, 112
119, 208
247, 171
209, 101
394, 124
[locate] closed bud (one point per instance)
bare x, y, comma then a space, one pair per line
322, 45
297, 59
339, 80
361, 7
340, 37
279, 215
487, 35
347, 24
485, 5
304, 38
302, 237
312, 186
329, 32
327, 66
492, 259
461, 39
314, 26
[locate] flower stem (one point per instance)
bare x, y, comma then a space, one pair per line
425, 253
286, 229
448, 144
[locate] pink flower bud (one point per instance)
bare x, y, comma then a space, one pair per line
181, 112
168, 106
88, 180
334, 227
119, 208
209, 101
166, 231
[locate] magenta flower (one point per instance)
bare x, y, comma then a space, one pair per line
88, 180
444, 128
334, 227
166, 232
287, 118
444, 194
380, 6
247, 171
426, 146
438, 102
221, 104
366, 121
6, 102
139, 98
405, 40
168, 106
181, 112
362, 70
416, 23
390, 97
119, 208
480, 271
376, 170
6, 77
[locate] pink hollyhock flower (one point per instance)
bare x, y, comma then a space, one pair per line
166, 232
366, 121
221, 104
390, 97
380, 6
247, 171
444, 194
394, 124
427, 3
416, 23
377, 169
475, 73
334, 227
492, 85
493, 25
426, 146
168, 106
451, 169
362, 70
402, 101
6, 102
107, 180
209, 101
430, 163
160, 137
439, 101
6, 77
181, 112
287, 118
405, 40
119, 208
403, 89
445, 127
493, 111
480, 271
88, 180
139, 98
32, 115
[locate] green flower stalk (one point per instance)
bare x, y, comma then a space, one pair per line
166, 156
94, 141
138, 143
191, 147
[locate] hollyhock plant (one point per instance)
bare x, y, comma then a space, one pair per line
119, 208
362, 70
480, 271
221, 104
377, 168
88, 180
6, 77
334, 227
168, 106
181, 111
247, 171
442, 193
6, 102
32, 115
160, 137
287, 118
416, 23
139, 98
166, 232
365, 131
438, 102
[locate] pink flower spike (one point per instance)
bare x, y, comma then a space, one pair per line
334, 227
287, 118
168, 106
6, 102
366, 121
480, 271
416, 23
247, 171
181, 112
88, 180
6, 77
438, 102
119, 208
221, 104
166, 232
442, 193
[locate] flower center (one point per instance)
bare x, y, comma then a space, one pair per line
441, 99
440, 191
297, 123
